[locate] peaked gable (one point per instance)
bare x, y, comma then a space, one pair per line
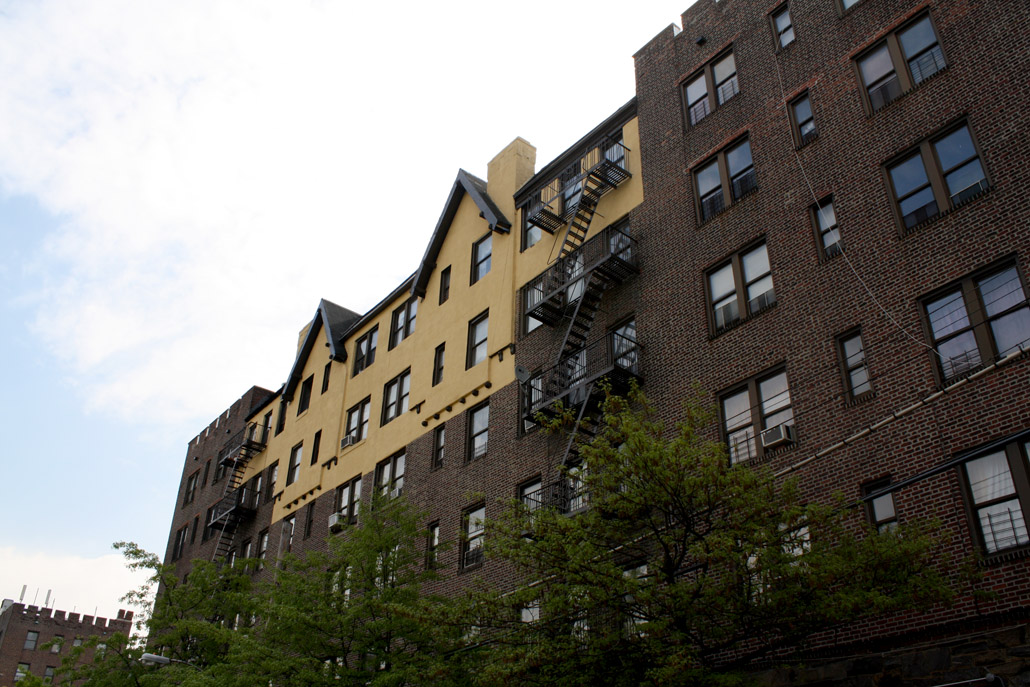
488, 210
332, 319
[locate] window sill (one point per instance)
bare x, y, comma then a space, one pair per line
853, 401
467, 568
735, 325
726, 208
807, 140
908, 231
1008, 555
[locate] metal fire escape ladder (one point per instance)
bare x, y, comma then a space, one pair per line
228, 511
583, 424
232, 483
582, 211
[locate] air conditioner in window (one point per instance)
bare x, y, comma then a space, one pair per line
761, 301
780, 435
726, 315
348, 440
337, 521
394, 493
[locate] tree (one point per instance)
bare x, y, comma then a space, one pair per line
683, 569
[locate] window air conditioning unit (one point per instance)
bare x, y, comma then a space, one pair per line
348, 440
337, 521
726, 315
780, 435
394, 493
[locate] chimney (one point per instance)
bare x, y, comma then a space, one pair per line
508, 171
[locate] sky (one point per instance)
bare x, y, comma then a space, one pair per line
182, 181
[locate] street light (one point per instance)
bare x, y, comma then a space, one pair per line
157, 660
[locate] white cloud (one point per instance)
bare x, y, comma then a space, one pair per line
90, 586
220, 166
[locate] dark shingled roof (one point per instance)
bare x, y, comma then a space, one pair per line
335, 321
488, 210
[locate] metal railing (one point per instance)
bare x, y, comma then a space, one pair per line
700, 110
251, 437
926, 65
612, 245
883, 95
567, 495
614, 353
241, 500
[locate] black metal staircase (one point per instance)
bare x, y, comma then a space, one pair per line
237, 503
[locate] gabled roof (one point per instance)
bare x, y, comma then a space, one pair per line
332, 319
488, 210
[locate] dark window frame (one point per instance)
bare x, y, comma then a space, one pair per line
1016, 452
936, 181
433, 545
478, 260
473, 345
400, 388
280, 423
402, 321
293, 467
439, 447
348, 499
902, 78
309, 519
978, 321
881, 521
472, 435
362, 411
445, 284
472, 541
745, 311
532, 499
815, 213
849, 367
778, 34
736, 187
697, 111
797, 125
389, 480
365, 350
438, 363
190, 491
758, 416
273, 477
325, 376
316, 446
304, 401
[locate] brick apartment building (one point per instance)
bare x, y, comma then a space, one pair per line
24, 630
815, 209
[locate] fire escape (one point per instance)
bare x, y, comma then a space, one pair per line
237, 503
569, 294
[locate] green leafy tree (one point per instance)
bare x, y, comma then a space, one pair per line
682, 569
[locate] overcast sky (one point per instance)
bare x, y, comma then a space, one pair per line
181, 182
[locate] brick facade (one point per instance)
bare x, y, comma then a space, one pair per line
18, 620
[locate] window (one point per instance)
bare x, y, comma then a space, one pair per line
847, 4
266, 428
304, 402
445, 284
576, 492
395, 396
357, 421
402, 323
365, 349
325, 376
852, 360
715, 84
880, 509
531, 495
783, 29
432, 544
902, 61
48, 674
179, 545
309, 519
982, 318
196, 526
76, 642
741, 285
262, 552
801, 121
438, 364
21, 671
55, 647
286, 540
481, 253
530, 613
296, 454
280, 423
532, 295
997, 489
730, 174
477, 340
207, 525
635, 616
316, 444
824, 219
348, 500
390, 475
572, 188
247, 548
472, 542
439, 441
207, 471
256, 484
191, 488
760, 404
273, 475
531, 233
478, 430
940, 174
532, 395
31, 638
625, 353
